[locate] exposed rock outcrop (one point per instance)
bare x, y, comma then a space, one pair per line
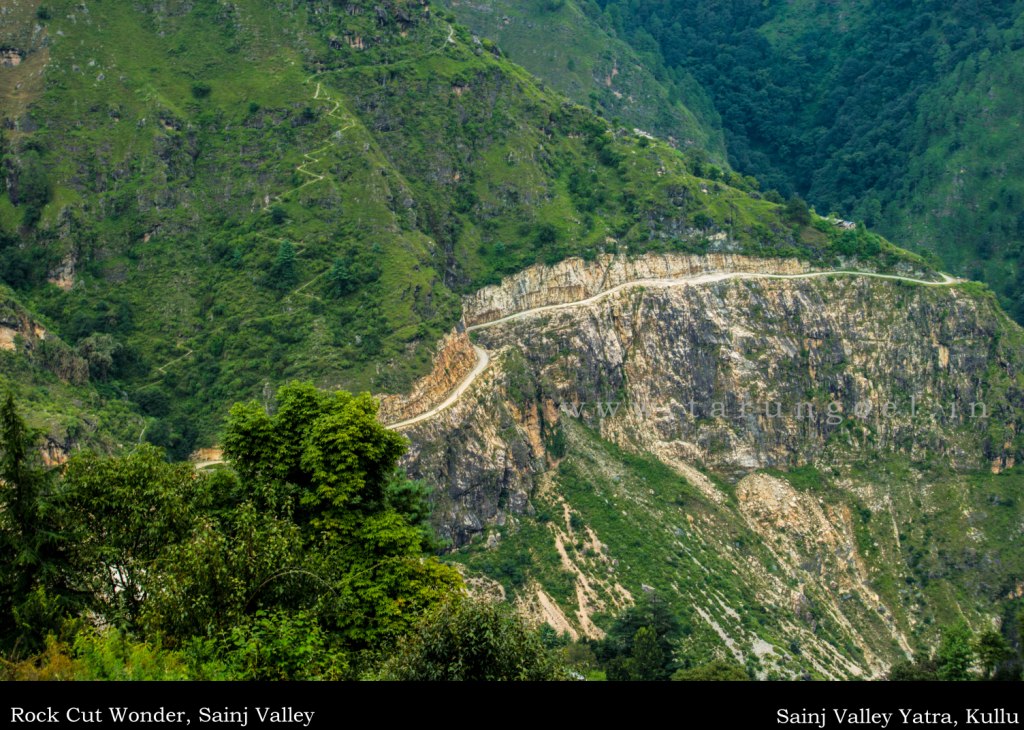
804, 534
10, 57
454, 361
63, 275
719, 379
733, 375
575, 279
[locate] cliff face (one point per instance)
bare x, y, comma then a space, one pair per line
771, 373
720, 381
453, 363
574, 279
731, 375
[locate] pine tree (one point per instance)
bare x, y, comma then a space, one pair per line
647, 660
992, 650
16, 475
339, 279
797, 211
284, 274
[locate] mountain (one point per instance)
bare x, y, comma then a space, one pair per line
584, 59
242, 194
811, 468
567, 317
902, 116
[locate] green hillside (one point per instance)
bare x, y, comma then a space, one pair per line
584, 59
280, 204
239, 195
903, 116
63, 388
627, 521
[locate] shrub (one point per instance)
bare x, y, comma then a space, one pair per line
797, 211
719, 670
473, 640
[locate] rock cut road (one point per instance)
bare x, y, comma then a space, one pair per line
483, 359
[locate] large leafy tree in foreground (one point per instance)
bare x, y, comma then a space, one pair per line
308, 559
323, 459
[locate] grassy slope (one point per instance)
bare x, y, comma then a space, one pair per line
183, 144
584, 60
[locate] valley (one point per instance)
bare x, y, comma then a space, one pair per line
332, 333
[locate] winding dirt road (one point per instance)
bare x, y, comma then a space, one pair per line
483, 359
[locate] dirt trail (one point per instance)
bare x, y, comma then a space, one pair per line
311, 157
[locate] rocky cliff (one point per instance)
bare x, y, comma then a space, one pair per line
453, 362
769, 401
575, 279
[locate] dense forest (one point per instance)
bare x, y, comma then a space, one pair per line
900, 115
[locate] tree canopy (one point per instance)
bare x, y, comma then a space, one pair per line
473, 640
308, 558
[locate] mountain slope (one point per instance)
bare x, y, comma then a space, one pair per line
53, 382
565, 46
243, 194
812, 470
903, 116
964, 190
202, 200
